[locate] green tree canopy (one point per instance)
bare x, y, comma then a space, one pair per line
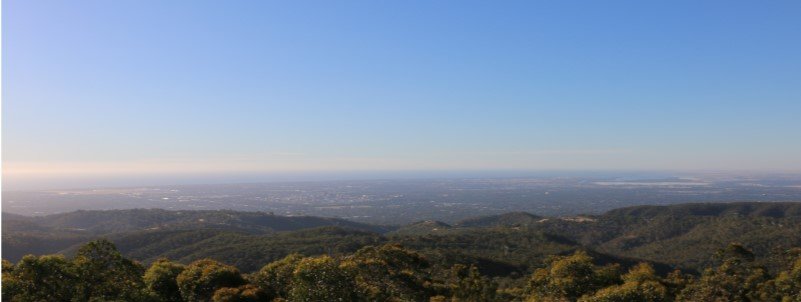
275, 279
786, 286
389, 272
468, 285
641, 284
244, 293
44, 278
104, 274
200, 279
735, 279
161, 279
321, 279
567, 278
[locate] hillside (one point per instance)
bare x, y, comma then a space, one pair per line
684, 236
246, 251
738, 209
115, 221
423, 227
514, 219
390, 272
56, 233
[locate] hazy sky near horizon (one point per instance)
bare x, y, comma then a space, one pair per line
154, 87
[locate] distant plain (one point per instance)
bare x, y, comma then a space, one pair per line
403, 201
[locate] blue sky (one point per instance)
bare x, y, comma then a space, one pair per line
154, 87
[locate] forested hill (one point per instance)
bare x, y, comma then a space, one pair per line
508, 219
389, 272
686, 234
166, 231
746, 209
115, 221
508, 246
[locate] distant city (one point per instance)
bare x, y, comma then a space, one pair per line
405, 201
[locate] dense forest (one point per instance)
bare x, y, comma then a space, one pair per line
390, 272
689, 252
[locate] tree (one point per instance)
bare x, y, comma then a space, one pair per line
7, 266
786, 287
467, 285
676, 281
275, 279
735, 279
640, 284
570, 277
160, 279
244, 293
9, 282
388, 271
44, 278
321, 279
200, 279
103, 274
